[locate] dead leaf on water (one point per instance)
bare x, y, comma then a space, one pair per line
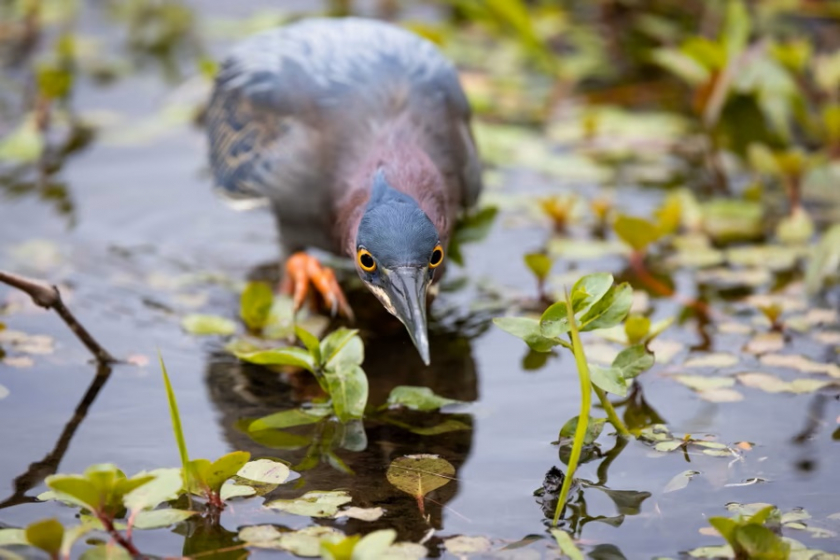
18, 361
467, 545
701, 383
734, 328
363, 514
765, 342
664, 350
749, 277
714, 360
3, 392
36, 344
828, 337
721, 395
418, 475
800, 363
680, 481
787, 302
772, 384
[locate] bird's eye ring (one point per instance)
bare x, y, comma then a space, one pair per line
366, 261
437, 257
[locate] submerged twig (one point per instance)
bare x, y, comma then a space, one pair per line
48, 297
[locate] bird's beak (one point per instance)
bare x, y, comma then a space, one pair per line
407, 294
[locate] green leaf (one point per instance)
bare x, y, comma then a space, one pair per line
289, 419
342, 348
374, 545
286, 356
725, 526
311, 342
633, 361
339, 550
566, 544
609, 379
265, 471
313, 504
636, 327
588, 290
528, 330
418, 398
760, 543
539, 264
609, 310
417, 475
593, 429
166, 486
333, 343
159, 518
224, 468
46, 535
348, 388
110, 551
176, 425
77, 489
204, 325
23, 145
636, 232
255, 304
230, 490
681, 65
736, 28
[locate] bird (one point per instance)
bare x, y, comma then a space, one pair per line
357, 135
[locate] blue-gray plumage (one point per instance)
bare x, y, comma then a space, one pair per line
356, 133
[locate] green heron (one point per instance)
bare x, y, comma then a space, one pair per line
357, 134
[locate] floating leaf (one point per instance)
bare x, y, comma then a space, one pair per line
255, 304
306, 542
729, 220
800, 363
203, 325
230, 491
418, 475
765, 342
772, 384
463, 545
13, 536
363, 514
680, 481
23, 145
313, 504
159, 518
418, 398
715, 360
265, 471
704, 382
797, 228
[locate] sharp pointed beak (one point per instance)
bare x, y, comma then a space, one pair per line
408, 286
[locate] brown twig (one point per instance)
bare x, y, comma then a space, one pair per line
48, 297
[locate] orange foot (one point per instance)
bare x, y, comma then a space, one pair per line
303, 269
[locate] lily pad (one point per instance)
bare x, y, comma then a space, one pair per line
265, 471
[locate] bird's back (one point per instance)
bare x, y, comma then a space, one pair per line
294, 107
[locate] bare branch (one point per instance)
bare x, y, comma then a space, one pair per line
48, 297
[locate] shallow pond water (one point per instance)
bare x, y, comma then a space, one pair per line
150, 243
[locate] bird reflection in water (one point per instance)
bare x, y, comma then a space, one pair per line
329, 455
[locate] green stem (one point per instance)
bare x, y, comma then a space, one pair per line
612, 416
583, 417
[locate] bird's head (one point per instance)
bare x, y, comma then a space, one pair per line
398, 249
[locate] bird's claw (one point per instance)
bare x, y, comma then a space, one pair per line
303, 269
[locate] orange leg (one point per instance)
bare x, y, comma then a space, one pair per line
303, 269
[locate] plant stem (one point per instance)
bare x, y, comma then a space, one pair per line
612, 416
48, 297
583, 417
117, 536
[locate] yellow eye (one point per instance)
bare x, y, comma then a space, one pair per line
437, 257
366, 261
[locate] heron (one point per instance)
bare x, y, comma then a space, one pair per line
357, 135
